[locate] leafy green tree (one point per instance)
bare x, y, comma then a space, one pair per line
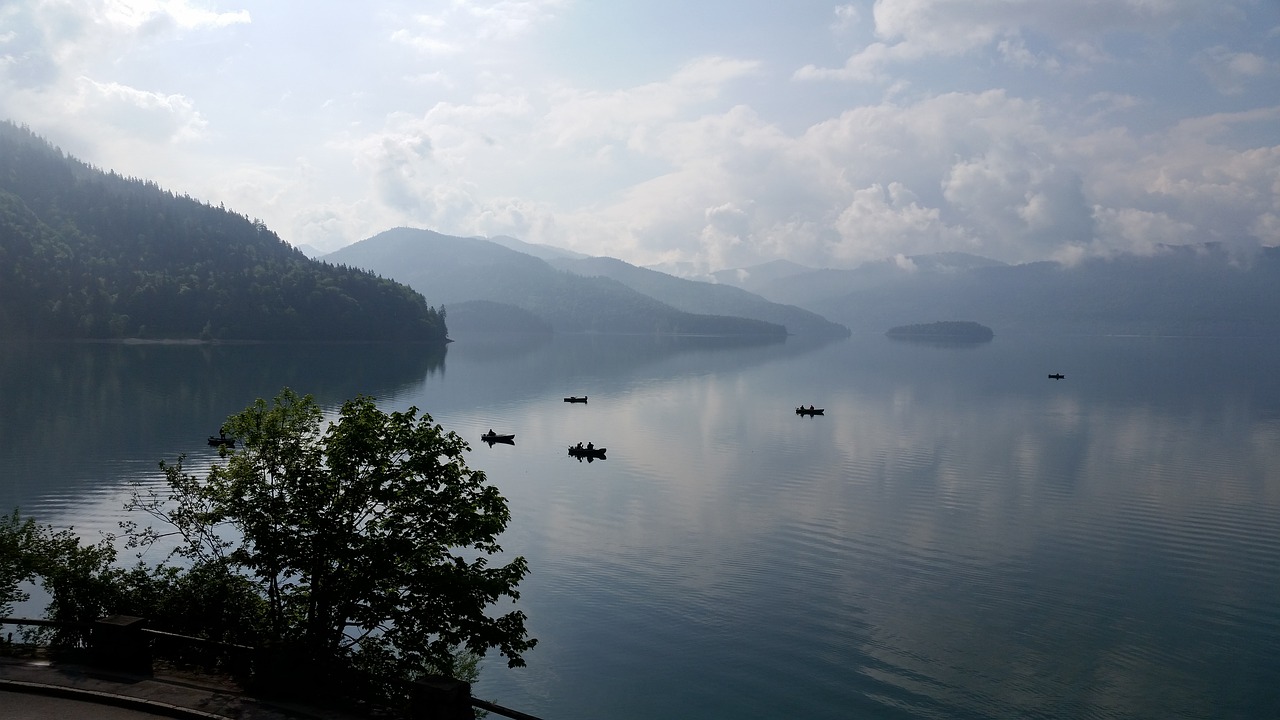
19, 539
82, 581
369, 540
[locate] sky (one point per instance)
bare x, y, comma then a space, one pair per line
695, 135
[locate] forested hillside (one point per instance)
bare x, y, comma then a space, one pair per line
87, 254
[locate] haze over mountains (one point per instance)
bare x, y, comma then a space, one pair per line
1208, 289
90, 254
481, 283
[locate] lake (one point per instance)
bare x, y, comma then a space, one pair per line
957, 537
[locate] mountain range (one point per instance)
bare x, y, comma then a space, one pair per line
484, 283
1207, 290
88, 254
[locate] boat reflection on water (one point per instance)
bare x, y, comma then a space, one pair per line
589, 452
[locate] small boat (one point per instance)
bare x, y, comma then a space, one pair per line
492, 437
576, 399
222, 441
810, 410
590, 453
1056, 376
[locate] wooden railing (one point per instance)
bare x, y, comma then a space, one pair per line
125, 643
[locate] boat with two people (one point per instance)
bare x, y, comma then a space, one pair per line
588, 452
576, 399
810, 411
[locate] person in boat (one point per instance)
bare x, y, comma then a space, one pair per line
590, 447
579, 445
490, 432
810, 408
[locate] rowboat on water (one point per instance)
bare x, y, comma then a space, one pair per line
588, 452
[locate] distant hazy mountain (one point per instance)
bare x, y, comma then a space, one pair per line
1201, 290
450, 270
686, 270
759, 276
701, 297
787, 282
538, 250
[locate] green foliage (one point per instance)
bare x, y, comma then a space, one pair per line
89, 254
369, 541
81, 580
85, 583
19, 542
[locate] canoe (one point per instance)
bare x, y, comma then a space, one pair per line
496, 438
222, 441
575, 398
809, 411
1056, 376
578, 452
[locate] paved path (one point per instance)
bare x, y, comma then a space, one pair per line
33, 706
40, 689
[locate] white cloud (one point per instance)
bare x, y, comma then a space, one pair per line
1142, 232
396, 163
463, 24
145, 14
1021, 203
629, 116
981, 172
138, 113
1232, 73
911, 30
508, 18
727, 227
847, 17
427, 43
880, 220
57, 61
1189, 182
868, 65
508, 117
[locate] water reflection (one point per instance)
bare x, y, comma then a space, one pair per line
956, 537
84, 422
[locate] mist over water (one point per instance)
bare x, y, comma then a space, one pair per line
958, 536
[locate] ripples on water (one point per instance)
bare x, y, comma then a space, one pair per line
917, 552
955, 538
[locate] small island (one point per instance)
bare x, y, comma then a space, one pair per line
958, 331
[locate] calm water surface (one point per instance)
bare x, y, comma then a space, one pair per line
958, 536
